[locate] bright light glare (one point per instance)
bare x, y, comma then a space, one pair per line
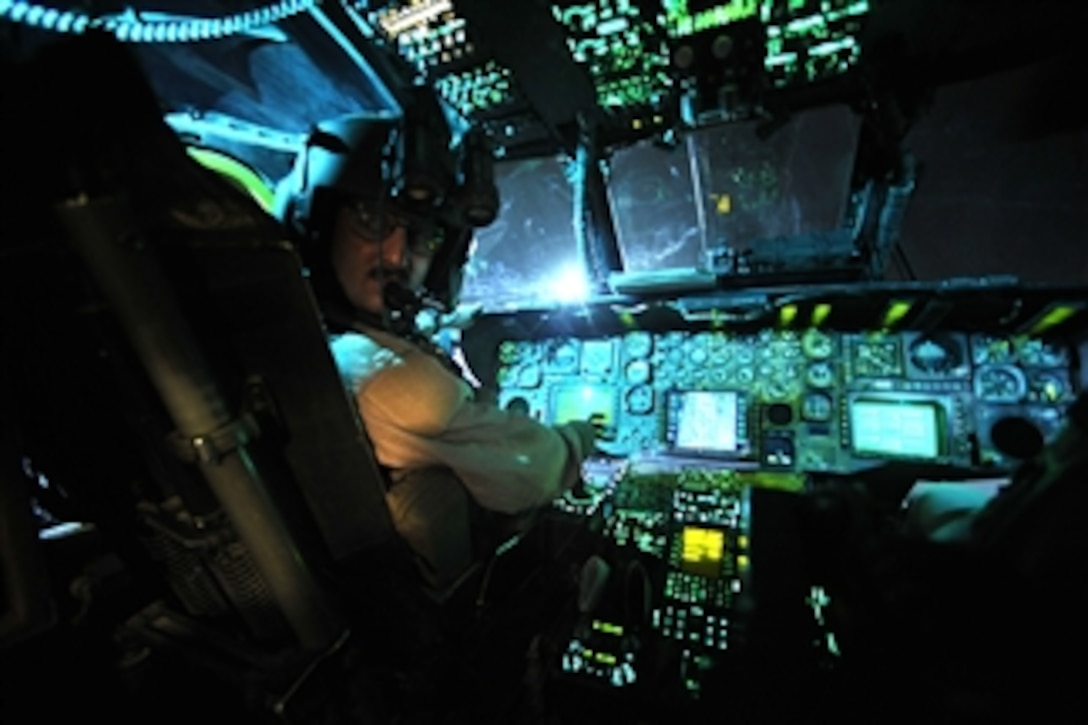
568, 285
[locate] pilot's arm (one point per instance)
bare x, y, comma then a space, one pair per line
420, 414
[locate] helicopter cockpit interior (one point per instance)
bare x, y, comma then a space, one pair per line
813, 268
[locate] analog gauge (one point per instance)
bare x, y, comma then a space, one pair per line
505, 377
820, 375
508, 352
698, 355
1036, 353
1048, 387
598, 357
775, 390
640, 399
745, 355
638, 344
991, 350
745, 376
563, 357
877, 358
638, 372
816, 407
530, 376
936, 354
817, 345
676, 359
518, 405
673, 339
1000, 384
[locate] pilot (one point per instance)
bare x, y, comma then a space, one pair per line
369, 228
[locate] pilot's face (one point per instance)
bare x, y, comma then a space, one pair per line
369, 251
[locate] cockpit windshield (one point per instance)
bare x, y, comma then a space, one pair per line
736, 198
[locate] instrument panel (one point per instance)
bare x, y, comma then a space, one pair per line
794, 400
694, 422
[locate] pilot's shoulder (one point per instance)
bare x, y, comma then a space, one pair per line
404, 384
359, 357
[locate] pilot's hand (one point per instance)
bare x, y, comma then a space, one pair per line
600, 424
587, 436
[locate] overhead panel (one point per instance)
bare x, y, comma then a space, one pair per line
444, 49
621, 44
812, 40
648, 66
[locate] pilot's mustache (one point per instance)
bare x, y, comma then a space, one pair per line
388, 274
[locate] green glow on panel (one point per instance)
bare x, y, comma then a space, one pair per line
896, 311
681, 22
1055, 316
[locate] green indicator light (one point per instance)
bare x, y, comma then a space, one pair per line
897, 310
820, 313
608, 627
832, 47
787, 314
1056, 315
801, 25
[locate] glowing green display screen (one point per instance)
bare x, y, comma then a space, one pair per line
896, 429
582, 402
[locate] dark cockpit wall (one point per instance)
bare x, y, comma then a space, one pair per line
947, 359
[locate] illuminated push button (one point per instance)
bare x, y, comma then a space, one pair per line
629, 674
617, 677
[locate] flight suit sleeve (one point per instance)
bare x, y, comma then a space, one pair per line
420, 414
